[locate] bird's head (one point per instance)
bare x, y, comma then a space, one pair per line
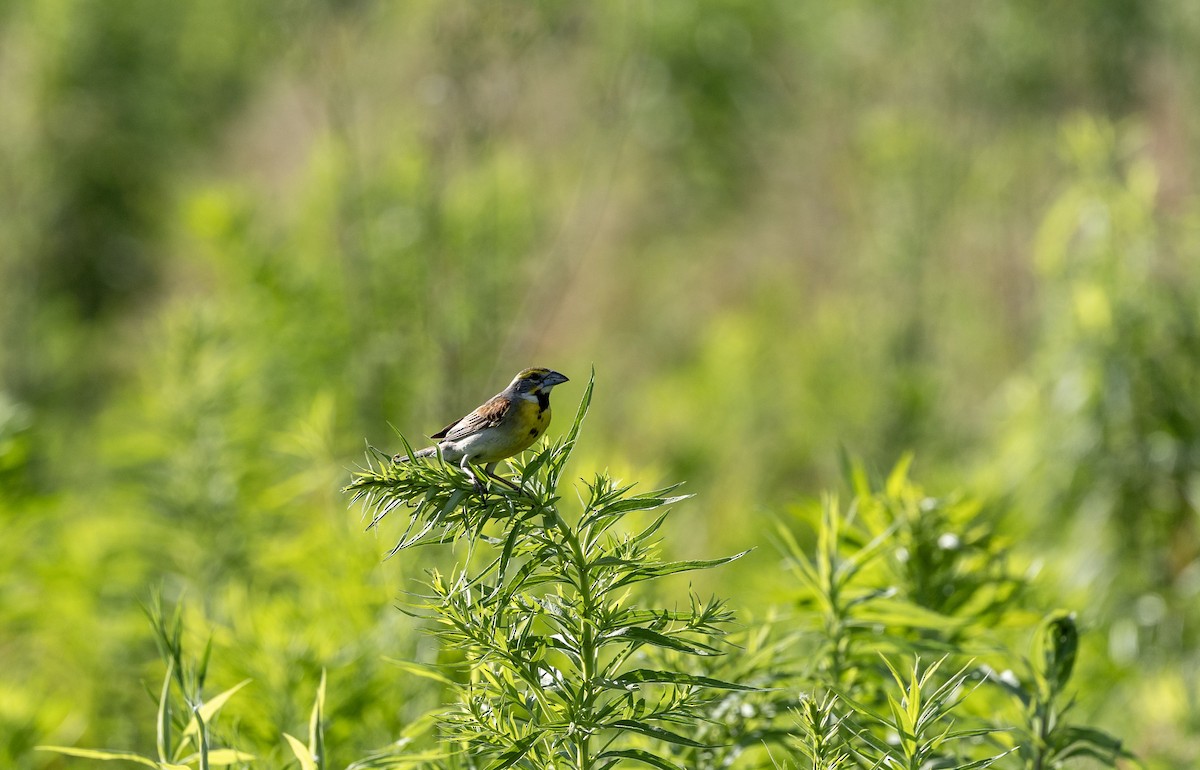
537, 380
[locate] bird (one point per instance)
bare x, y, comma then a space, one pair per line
505, 425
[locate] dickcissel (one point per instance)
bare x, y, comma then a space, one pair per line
507, 424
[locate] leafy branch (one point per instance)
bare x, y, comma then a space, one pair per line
559, 657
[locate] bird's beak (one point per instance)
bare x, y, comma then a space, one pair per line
554, 378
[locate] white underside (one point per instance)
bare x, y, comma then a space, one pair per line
480, 448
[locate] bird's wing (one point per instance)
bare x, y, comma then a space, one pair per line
487, 416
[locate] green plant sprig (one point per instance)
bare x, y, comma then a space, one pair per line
184, 719
920, 722
1044, 737
558, 653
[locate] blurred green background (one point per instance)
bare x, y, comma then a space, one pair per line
238, 238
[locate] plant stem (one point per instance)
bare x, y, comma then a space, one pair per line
1042, 721
588, 651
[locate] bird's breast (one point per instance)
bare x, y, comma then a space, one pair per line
535, 414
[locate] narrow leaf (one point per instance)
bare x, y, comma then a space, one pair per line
210, 709
639, 503
203, 753
1077, 737
307, 761
228, 757
652, 571
419, 669
202, 667
514, 755
510, 542
638, 755
657, 732
646, 636
316, 730
216, 757
127, 756
163, 738
644, 675
860, 707
556, 464
986, 762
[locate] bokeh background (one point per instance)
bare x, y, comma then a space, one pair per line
239, 239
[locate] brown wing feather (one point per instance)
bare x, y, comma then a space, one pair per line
486, 416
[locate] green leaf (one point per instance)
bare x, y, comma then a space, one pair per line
897, 480
863, 556
649, 531
202, 668
514, 755
519, 580
861, 708
514, 532
533, 466
854, 473
408, 450
203, 742
421, 670
163, 737
556, 464
974, 732
646, 636
895, 612
659, 733
210, 709
1055, 648
645, 675
986, 762
307, 760
639, 503
652, 571
316, 731
389, 760
1077, 740
108, 756
219, 757
637, 755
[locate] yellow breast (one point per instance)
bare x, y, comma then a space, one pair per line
530, 423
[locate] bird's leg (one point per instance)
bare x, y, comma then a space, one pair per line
490, 470
465, 465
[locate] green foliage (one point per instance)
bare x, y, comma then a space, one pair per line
1045, 738
555, 666
921, 718
236, 238
863, 587
557, 663
311, 755
898, 570
185, 718
819, 737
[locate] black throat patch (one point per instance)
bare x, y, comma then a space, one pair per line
543, 401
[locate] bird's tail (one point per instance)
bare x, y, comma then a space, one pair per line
426, 452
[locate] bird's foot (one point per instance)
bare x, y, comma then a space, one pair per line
507, 483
